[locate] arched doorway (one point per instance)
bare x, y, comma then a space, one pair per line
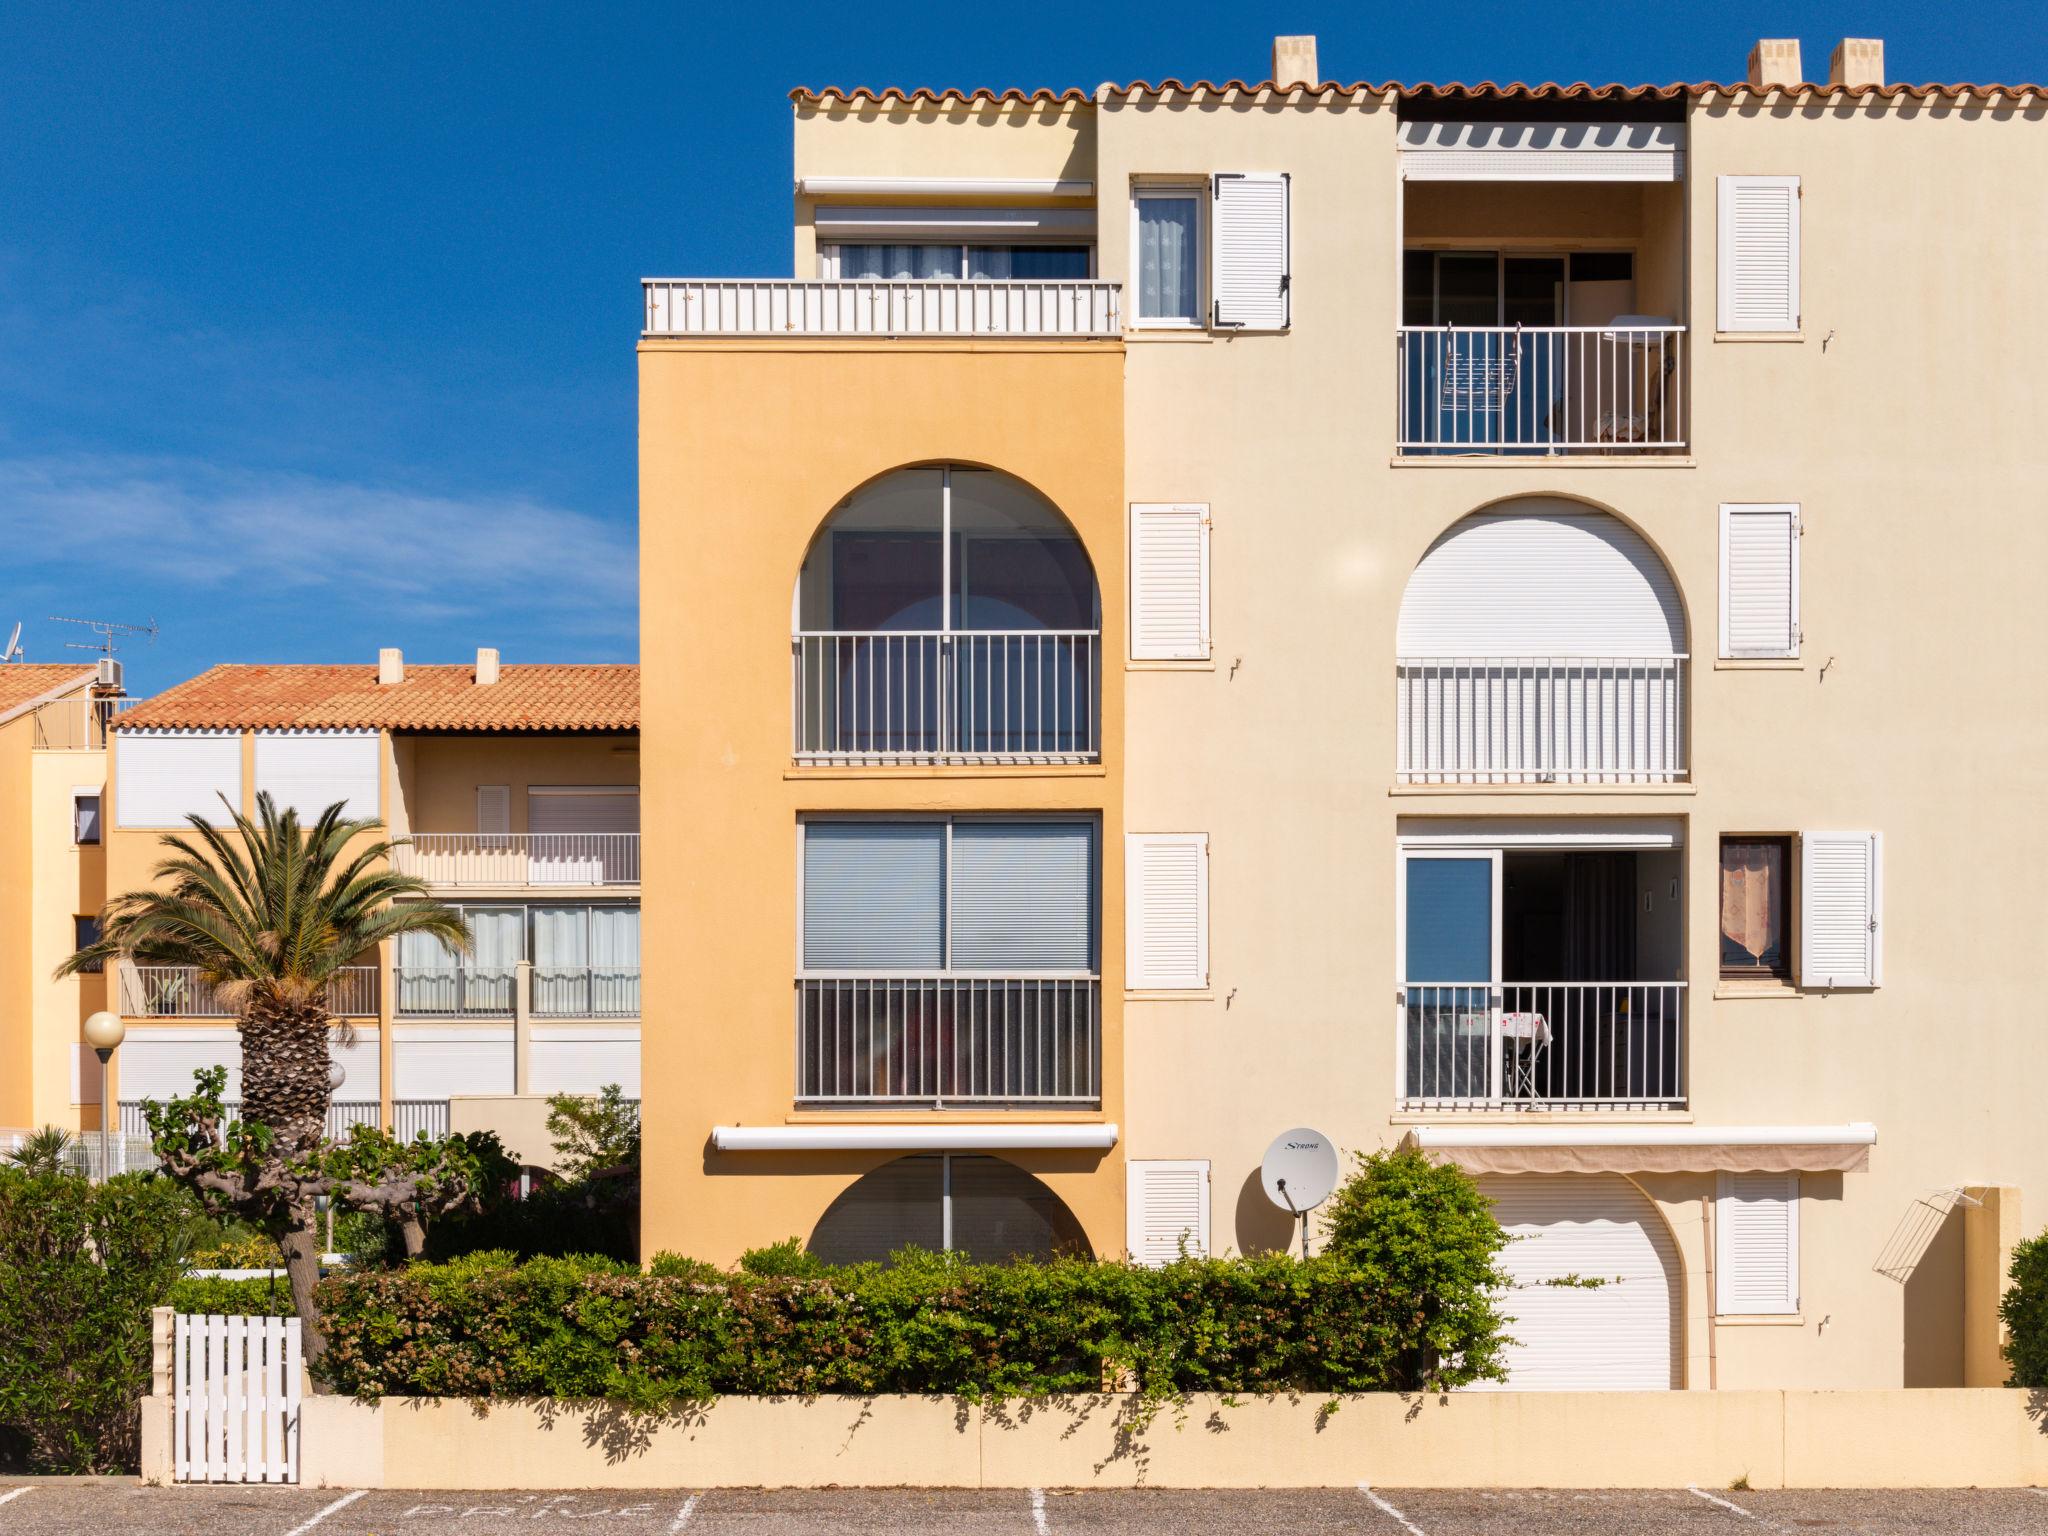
983, 1207
1541, 641
947, 613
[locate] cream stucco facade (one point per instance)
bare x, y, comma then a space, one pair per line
1898, 411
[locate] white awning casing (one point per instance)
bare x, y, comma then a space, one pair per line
1650, 1148
1078, 1136
1542, 151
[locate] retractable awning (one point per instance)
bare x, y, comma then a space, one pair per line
1650, 1148
1076, 1136
1476, 151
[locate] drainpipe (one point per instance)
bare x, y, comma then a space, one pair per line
522, 1027
1713, 1301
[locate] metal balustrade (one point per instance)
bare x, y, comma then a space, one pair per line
1555, 1045
943, 1041
180, 992
454, 991
413, 1118
586, 992
880, 307
455, 860
1540, 719
1541, 389
77, 725
925, 696
343, 1116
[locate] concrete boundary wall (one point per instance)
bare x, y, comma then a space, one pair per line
1982, 1437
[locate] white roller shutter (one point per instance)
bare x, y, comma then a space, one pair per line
1167, 1206
161, 777
1759, 253
1166, 910
1618, 1336
1759, 580
1841, 905
493, 809
442, 1064
1022, 896
308, 771
551, 809
1169, 581
1756, 1244
584, 1063
159, 1064
1249, 251
874, 896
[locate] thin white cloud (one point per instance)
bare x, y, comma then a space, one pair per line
285, 535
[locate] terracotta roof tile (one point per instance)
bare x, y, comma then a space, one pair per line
1485, 90
24, 683
539, 696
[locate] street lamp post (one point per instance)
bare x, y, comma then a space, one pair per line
104, 1032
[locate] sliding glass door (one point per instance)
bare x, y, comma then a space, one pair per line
1450, 969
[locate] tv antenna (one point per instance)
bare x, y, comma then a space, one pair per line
13, 651
109, 632
1299, 1173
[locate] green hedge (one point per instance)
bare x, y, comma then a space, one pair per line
2024, 1310
249, 1298
584, 1329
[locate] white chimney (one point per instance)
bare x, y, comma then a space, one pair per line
1857, 61
486, 665
390, 665
1775, 61
1294, 60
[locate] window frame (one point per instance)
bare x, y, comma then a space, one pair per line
1783, 973
1196, 192
829, 262
1090, 819
98, 797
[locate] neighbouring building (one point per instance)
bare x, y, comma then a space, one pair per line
517, 788
1504, 618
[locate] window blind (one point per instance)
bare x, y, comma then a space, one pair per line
1023, 896
308, 771
160, 778
874, 895
551, 809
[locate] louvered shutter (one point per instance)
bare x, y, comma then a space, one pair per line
1167, 1202
1756, 1244
1841, 907
1759, 253
494, 808
162, 776
1169, 581
307, 771
1166, 910
1249, 253
1759, 580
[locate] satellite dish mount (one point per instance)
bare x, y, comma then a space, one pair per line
1299, 1174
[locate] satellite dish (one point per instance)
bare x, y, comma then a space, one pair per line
13, 645
1299, 1173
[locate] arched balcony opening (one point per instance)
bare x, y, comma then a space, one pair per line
947, 614
989, 1210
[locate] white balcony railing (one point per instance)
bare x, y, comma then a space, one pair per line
879, 307
413, 1118
924, 696
180, 992
1562, 1045
943, 1041
342, 1117
77, 725
493, 992
586, 992
506, 859
1541, 389
1540, 719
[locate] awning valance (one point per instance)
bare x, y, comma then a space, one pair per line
917, 1136
1650, 1148
1482, 151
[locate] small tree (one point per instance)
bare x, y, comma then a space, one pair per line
1427, 1241
594, 1135
42, 1152
2024, 1311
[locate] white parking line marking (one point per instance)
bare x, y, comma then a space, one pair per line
12, 1493
1713, 1498
1387, 1509
341, 1503
1038, 1522
682, 1518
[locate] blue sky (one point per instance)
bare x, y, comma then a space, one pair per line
317, 321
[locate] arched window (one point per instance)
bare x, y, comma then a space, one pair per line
983, 1207
1541, 642
947, 614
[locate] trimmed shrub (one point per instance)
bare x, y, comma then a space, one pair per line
261, 1296
2024, 1310
81, 1264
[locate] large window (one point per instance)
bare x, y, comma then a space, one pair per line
1167, 255
586, 963
982, 1207
1756, 900
981, 263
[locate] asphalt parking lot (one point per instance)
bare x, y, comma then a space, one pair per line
47, 1508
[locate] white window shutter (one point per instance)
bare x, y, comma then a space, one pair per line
1249, 252
1759, 580
1756, 1244
1167, 1204
1169, 581
1841, 909
308, 771
1759, 253
494, 808
1166, 910
162, 776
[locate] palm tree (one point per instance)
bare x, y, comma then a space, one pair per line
268, 912
42, 1152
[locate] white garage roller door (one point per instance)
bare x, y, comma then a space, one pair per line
1620, 1336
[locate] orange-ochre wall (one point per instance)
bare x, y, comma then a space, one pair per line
745, 448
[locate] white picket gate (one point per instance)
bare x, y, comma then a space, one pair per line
235, 1385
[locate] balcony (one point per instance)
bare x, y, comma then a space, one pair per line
500, 992
941, 1042
180, 992
1541, 719
1566, 389
77, 725
507, 860
1545, 1046
1017, 696
1073, 309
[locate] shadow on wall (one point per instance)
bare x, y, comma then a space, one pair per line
1262, 1227
1925, 1255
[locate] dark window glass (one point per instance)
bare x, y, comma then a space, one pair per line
1532, 290
1603, 266
999, 1212
1756, 903
1418, 288
1468, 288
1029, 263
86, 930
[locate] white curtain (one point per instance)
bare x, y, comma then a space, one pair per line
899, 263
1167, 258
615, 961
561, 955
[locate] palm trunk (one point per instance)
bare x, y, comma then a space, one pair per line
301, 1247
285, 1087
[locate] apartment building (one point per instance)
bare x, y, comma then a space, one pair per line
517, 789
1497, 617
53, 735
